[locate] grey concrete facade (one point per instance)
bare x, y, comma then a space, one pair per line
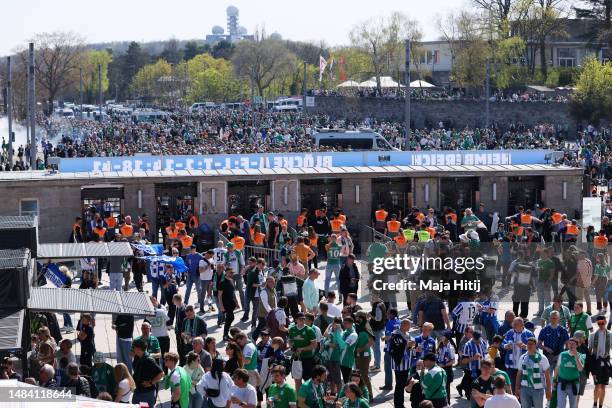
59, 199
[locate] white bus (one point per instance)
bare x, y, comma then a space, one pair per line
364, 139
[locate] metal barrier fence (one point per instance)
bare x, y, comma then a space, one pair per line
377, 236
269, 254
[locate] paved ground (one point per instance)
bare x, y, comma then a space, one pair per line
105, 342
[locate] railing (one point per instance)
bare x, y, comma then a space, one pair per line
269, 254
377, 236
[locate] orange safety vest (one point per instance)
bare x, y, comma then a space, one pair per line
432, 231
517, 229
186, 241
111, 222
400, 239
526, 219
252, 233
259, 238
314, 241
193, 222
393, 226
557, 217
336, 225
172, 232
126, 230
420, 217
100, 232
238, 242
300, 220
342, 218
381, 215
600, 242
572, 229
451, 218
180, 225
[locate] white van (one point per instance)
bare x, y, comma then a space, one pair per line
365, 139
198, 106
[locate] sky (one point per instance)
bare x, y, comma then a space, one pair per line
151, 20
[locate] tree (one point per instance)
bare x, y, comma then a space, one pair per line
172, 52
592, 99
223, 49
262, 60
192, 49
146, 83
382, 38
57, 59
123, 68
600, 11
91, 60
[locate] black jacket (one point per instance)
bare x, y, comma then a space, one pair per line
346, 286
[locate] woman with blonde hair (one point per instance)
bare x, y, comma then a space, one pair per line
125, 384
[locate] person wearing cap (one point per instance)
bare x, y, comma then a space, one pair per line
434, 382
475, 349
102, 374
567, 374
303, 342
193, 277
533, 378
600, 348
235, 259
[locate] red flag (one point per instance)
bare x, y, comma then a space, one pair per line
341, 69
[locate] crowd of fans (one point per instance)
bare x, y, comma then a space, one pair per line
325, 336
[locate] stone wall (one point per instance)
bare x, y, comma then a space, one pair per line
454, 113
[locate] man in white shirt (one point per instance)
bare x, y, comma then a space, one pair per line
243, 393
332, 310
310, 293
206, 274
219, 255
501, 399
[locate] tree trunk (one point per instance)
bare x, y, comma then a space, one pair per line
543, 61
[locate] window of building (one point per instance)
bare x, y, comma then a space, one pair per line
566, 57
28, 207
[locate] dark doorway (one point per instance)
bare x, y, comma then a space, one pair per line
395, 194
243, 197
459, 192
320, 193
174, 201
524, 192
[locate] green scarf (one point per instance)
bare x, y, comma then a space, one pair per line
531, 374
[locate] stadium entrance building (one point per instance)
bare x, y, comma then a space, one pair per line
357, 184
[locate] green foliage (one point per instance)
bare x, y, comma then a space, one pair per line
211, 79
592, 99
552, 80
146, 82
91, 60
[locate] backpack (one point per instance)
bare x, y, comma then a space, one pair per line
272, 323
397, 347
377, 325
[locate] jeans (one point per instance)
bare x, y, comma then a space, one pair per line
190, 282
563, 393
329, 270
531, 397
261, 324
512, 373
116, 281
123, 352
195, 400
154, 287
67, 320
144, 396
204, 285
388, 370
376, 346
543, 289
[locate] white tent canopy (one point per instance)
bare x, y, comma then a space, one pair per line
421, 84
348, 84
385, 82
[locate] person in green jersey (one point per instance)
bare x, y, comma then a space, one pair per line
333, 261
354, 397
347, 341
469, 220
546, 271
312, 393
102, 374
567, 374
303, 342
249, 351
177, 381
280, 393
496, 372
580, 320
356, 379
434, 382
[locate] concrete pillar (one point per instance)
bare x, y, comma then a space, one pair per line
494, 194
285, 198
425, 192
357, 201
212, 201
563, 193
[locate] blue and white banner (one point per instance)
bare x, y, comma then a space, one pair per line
54, 275
158, 263
148, 250
305, 160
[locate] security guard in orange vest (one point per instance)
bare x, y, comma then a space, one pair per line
571, 231
239, 242
556, 217
111, 222
258, 236
380, 219
393, 226
600, 242
342, 216
336, 224
99, 230
180, 225
185, 240
77, 233
302, 219
126, 229
172, 231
